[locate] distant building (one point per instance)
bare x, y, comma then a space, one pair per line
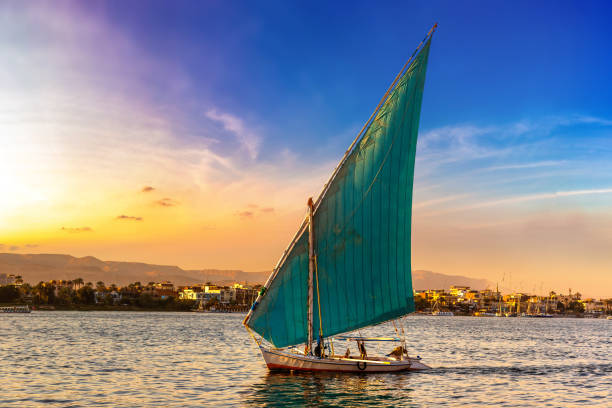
235, 294
192, 293
593, 306
7, 279
164, 290
100, 297
459, 291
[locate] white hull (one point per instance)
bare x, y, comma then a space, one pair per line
285, 360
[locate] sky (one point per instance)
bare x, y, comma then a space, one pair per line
191, 133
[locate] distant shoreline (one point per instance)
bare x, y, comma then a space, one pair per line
108, 308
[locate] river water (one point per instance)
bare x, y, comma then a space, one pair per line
127, 359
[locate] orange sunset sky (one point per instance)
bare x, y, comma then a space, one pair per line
183, 144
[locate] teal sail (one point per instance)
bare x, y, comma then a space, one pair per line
362, 232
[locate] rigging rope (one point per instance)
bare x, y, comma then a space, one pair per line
318, 298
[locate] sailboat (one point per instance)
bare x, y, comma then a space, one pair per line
348, 266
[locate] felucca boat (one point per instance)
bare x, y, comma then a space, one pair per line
348, 266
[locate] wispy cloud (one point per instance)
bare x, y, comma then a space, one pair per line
522, 199
12, 248
166, 202
147, 189
76, 230
495, 161
254, 210
128, 218
248, 139
437, 201
547, 163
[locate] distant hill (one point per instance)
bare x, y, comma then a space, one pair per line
44, 267
432, 280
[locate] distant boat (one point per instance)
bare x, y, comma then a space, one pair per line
15, 309
437, 312
348, 265
442, 313
484, 314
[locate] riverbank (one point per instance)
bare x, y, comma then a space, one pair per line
492, 315
123, 308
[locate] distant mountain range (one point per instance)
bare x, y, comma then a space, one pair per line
431, 280
44, 267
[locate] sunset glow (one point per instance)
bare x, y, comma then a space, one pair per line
193, 145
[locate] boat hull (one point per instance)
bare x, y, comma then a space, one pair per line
284, 360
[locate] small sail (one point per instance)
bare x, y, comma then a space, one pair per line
362, 232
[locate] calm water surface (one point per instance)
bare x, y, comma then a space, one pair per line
123, 359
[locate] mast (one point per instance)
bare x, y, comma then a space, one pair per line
311, 266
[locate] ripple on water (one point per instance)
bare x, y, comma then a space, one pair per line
175, 359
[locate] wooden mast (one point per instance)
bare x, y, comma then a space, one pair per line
311, 266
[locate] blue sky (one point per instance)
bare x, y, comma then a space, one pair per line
493, 62
237, 111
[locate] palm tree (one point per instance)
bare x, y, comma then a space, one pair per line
78, 282
100, 286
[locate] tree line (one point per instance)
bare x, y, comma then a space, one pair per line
75, 294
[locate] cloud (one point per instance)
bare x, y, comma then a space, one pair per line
522, 199
440, 200
147, 189
245, 214
525, 165
76, 230
17, 247
166, 202
254, 210
247, 138
511, 162
128, 218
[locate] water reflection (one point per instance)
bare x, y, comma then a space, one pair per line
331, 389
116, 359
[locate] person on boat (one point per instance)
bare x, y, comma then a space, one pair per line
362, 350
319, 350
398, 353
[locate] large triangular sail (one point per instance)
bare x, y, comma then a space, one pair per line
362, 231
